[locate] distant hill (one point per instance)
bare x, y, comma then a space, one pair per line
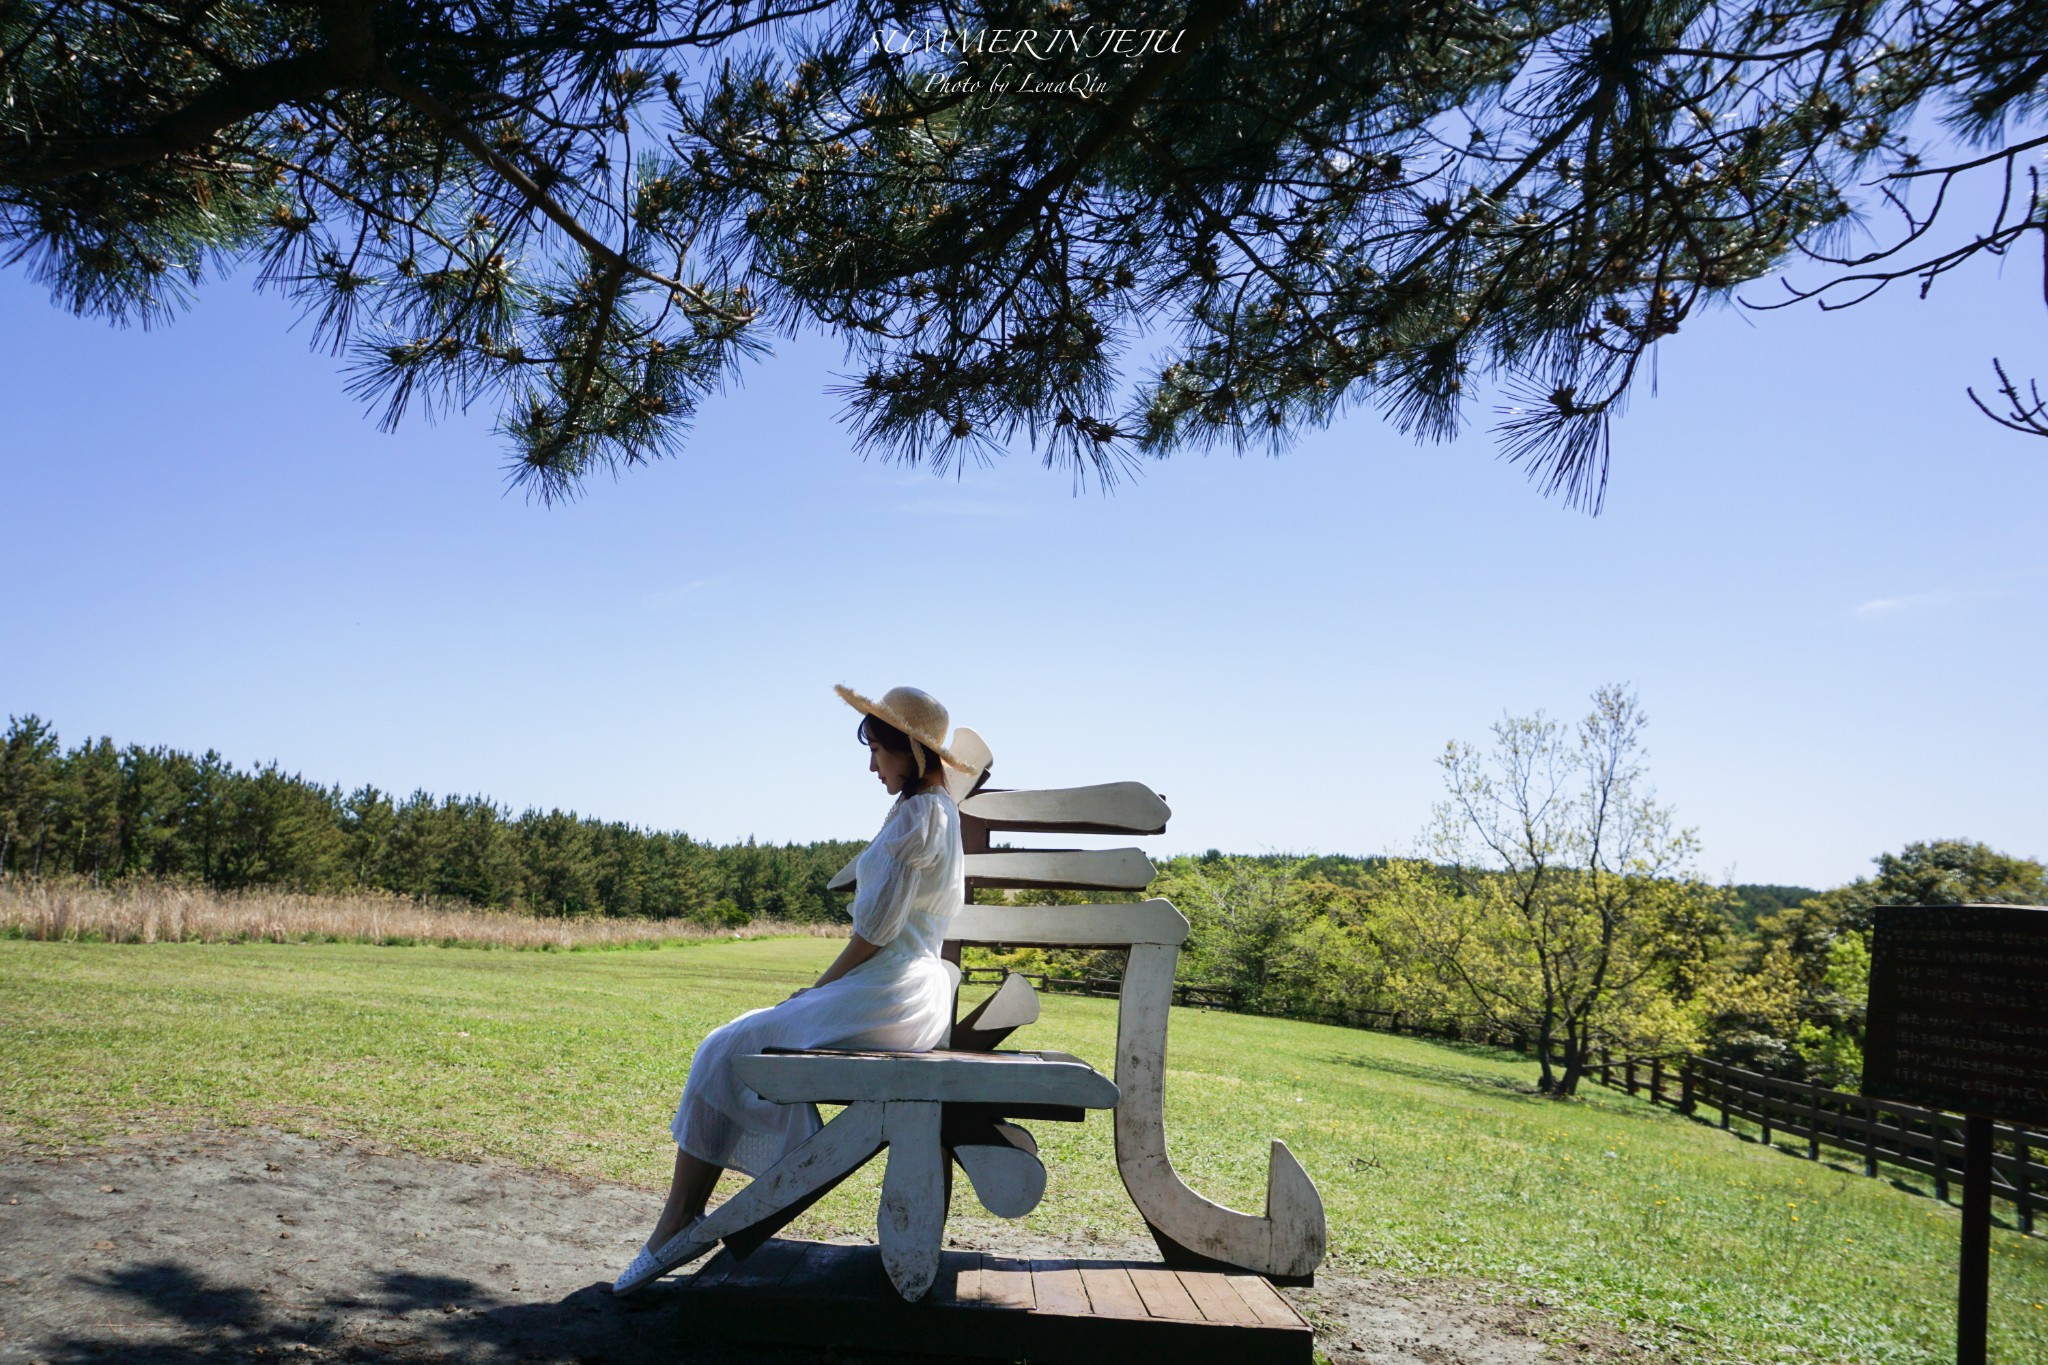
1753, 902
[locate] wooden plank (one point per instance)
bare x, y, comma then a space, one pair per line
1264, 1300
1163, 1293
1110, 1290
1008, 1180
959, 1279
835, 1272
927, 1077
852, 1136
1006, 1284
812, 1269
1105, 808
1214, 1296
1013, 1005
1288, 1239
1065, 869
1055, 926
1056, 1288
1057, 869
712, 1272
767, 1267
912, 1219
823, 1303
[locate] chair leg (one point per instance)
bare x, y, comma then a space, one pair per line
912, 1220
854, 1134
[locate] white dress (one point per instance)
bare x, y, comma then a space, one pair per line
912, 878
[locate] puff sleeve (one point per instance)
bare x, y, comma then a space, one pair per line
913, 839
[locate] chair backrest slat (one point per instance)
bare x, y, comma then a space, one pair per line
1106, 808
1071, 926
1061, 869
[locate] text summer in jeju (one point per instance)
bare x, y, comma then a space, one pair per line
1038, 44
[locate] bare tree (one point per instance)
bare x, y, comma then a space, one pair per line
1566, 871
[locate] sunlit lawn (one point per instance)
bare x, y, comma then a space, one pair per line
1432, 1160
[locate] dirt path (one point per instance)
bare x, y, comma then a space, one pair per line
259, 1246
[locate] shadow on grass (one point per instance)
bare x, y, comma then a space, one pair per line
167, 1313
1439, 1075
1919, 1186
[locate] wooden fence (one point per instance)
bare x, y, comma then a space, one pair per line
1928, 1141
1924, 1140
1199, 996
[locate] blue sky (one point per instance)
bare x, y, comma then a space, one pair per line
1821, 569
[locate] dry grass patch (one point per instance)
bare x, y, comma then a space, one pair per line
154, 913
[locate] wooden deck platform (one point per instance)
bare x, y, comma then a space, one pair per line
821, 1293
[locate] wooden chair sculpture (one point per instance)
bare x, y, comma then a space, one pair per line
959, 1104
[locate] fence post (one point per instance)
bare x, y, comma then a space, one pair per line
1606, 1067
1870, 1119
1813, 1121
1656, 1080
1721, 1084
2023, 1194
1628, 1073
1686, 1102
1935, 1135
1763, 1107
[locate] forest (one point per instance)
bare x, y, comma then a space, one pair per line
1590, 933
104, 814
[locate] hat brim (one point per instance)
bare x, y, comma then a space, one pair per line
883, 713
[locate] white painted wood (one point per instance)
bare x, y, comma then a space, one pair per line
961, 1077
913, 1212
1008, 1180
854, 1135
1289, 1239
1107, 808
1015, 1136
1077, 869
1013, 1005
971, 749
1146, 921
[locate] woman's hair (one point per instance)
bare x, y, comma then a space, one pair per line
898, 741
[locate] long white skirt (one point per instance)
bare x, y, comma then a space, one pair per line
895, 1001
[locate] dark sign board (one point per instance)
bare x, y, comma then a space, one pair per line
1959, 1009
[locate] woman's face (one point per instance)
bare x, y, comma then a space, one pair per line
895, 770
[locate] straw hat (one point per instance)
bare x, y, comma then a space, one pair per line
914, 712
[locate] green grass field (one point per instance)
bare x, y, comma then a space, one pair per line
1432, 1160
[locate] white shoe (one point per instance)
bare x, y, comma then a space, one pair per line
651, 1264
643, 1269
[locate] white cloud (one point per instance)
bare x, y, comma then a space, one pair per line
663, 599
1892, 606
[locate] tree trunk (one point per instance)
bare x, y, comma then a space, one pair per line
1575, 1049
1546, 1082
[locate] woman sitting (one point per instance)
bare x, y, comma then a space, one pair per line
887, 989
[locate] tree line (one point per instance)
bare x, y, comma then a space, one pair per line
1551, 903
1421, 947
102, 813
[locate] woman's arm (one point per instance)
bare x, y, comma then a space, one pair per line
856, 951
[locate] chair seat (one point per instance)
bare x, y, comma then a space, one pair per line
834, 1076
